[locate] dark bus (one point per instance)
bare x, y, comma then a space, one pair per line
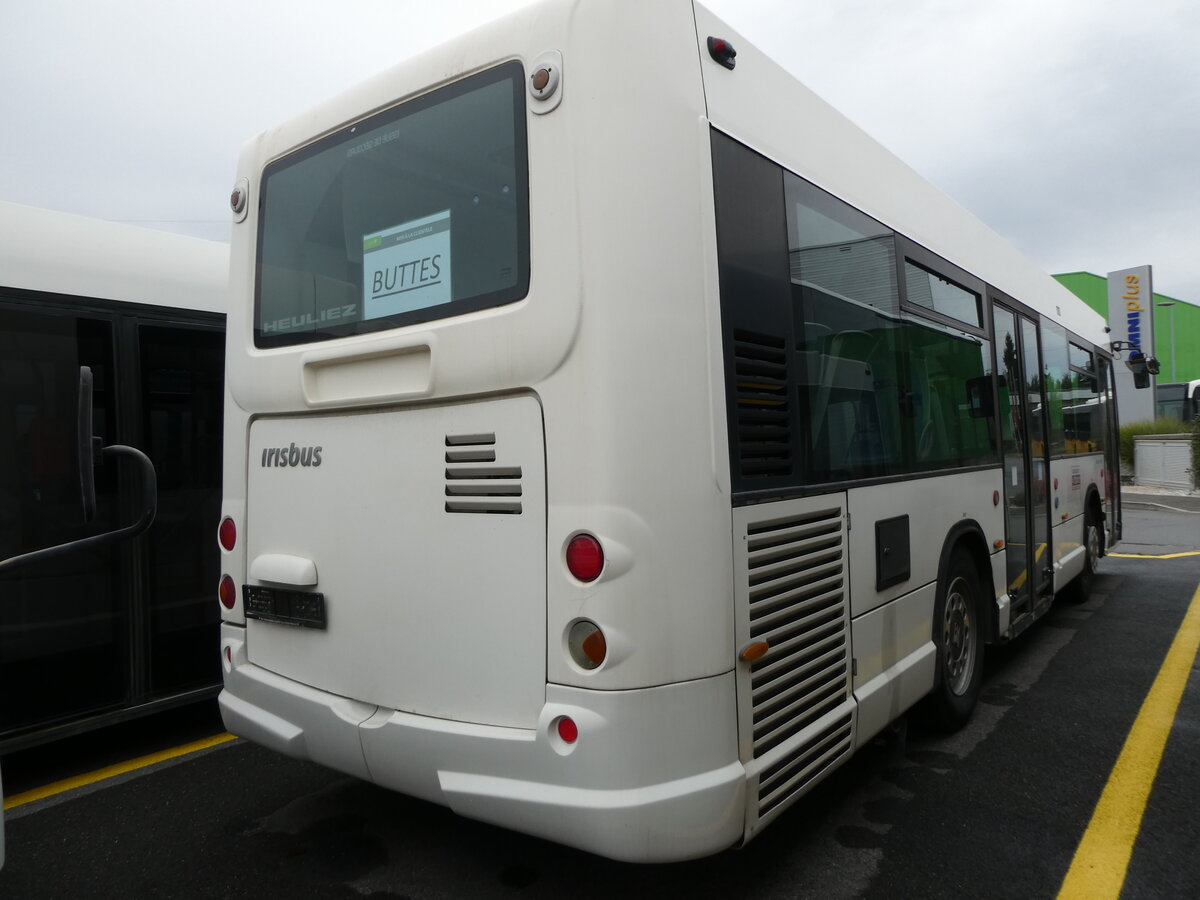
130, 628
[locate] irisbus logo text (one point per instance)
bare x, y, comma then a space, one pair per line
283, 457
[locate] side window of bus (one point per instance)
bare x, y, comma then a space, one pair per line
845, 313
952, 371
831, 376
887, 391
1083, 411
1058, 383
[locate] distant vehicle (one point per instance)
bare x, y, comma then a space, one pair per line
123, 629
1179, 401
618, 438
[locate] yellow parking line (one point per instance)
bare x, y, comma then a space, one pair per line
112, 771
1152, 556
1102, 858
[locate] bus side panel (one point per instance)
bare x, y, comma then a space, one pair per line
895, 660
930, 507
1072, 478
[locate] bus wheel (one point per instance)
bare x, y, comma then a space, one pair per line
959, 642
1093, 545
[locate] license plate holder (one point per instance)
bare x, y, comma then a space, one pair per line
305, 609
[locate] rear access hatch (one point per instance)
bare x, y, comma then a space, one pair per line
426, 531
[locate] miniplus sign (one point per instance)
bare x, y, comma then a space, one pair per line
1130, 305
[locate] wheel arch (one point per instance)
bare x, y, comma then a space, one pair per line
1092, 504
967, 535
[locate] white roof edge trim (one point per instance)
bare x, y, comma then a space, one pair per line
61, 253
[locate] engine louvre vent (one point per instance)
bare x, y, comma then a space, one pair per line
474, 481
796, 713
763, 406
797, 593
789, 777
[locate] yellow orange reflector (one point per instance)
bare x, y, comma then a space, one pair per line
998, 543
594, 646
754, 652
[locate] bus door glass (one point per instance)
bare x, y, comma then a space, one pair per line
1112, 446
1023, 445
181, 397
63, 623
1039, 463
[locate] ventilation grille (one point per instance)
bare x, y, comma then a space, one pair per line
791, 775
474, 483
798, 606
764, 437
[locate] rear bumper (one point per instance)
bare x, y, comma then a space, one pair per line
653, 777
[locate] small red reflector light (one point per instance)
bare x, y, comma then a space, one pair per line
995, 498
229, 655
568, 730
585, 557
228, 592
227, 534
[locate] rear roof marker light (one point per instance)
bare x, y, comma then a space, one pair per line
722, 51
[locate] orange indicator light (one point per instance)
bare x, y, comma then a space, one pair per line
754, 652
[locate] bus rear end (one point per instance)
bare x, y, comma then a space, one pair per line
461, 534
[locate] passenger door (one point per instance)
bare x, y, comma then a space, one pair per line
1026, 466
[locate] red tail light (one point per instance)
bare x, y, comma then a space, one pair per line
227, 534
228, 592
585, 557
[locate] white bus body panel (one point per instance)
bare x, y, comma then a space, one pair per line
933, 506
1071, 478
631, 220
434, 582
808, 136
678, 792
110, 260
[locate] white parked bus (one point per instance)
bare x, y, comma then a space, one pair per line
108, 632
617, 437
1180, 400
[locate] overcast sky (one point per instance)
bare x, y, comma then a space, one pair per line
1072, 127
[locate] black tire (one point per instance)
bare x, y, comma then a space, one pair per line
1080, 588
958, 637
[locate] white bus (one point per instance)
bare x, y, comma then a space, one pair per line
1180, 400
108, 632
618, 438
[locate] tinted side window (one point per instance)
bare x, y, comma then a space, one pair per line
1058, 383
182, 393
63, 626
882, 392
